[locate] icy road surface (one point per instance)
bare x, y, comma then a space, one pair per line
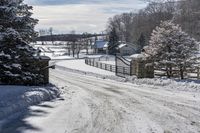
91, 105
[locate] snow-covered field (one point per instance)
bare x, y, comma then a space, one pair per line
95, 105
15, 100
81, 66
59, 51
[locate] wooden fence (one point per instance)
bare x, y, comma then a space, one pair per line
188, 74
108, 67
96, 63
123, 71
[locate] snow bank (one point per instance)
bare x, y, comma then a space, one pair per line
169, 84
16, 99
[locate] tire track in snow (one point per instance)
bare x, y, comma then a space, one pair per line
174, 118
143, 126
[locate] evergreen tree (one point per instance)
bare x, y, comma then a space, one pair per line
16, 15
171, 48
113, 41
141, 43
16, 56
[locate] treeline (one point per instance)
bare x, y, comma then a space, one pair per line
136, 28
67, 37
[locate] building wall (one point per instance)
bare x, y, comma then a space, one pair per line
100, 51
127, 50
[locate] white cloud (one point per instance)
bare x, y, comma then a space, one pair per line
80, 17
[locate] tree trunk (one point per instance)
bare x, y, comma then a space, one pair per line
169, 65
73, 52
168, 73
181, 72
73, 49
69, 51
87, 50
78, 54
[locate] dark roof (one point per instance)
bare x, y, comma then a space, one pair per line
100, 44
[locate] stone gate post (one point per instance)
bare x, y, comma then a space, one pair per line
142, 67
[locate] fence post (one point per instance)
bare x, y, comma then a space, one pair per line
131, 67
116, 64
198, 74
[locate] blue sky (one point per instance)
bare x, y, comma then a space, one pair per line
79, 15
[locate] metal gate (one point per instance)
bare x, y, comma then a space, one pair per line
123, 66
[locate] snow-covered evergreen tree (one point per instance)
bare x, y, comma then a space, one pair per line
16, 14
113, 41
141, 43
16, 56
171, 48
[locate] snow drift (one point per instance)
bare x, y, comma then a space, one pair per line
14, 100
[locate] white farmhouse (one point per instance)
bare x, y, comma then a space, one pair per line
126, 49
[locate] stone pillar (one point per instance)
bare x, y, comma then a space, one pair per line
44, 65
142, 67
133, 66
145, 69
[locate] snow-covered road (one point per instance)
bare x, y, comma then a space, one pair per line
92, 105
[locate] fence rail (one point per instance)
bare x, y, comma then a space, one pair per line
188, 74
121, 70
104, 66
